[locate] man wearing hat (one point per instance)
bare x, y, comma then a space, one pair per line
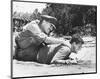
35, 44
33, 37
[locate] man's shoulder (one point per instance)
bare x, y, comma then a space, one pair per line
34, 22
31, 25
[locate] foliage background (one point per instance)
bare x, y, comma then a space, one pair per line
71, 19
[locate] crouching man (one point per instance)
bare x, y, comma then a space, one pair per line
35, 35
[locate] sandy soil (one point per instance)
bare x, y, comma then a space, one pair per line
88, 65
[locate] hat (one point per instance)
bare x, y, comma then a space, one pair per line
47, 17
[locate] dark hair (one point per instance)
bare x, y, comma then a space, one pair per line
77, 39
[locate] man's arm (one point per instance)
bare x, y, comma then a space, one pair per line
52, 40
34, 28
59, 62
62, 57
61, 54
68, 61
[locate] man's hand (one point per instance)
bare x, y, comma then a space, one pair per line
73, 55
71, 61
74, 61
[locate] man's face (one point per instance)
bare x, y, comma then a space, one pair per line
76, 47
47, 27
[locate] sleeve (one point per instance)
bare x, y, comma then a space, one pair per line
38, 35
47, 40
52, 40
41, 37
62, 54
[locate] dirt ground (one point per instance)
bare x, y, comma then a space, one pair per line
88, 65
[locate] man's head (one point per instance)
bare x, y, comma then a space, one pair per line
76, 43
47, 23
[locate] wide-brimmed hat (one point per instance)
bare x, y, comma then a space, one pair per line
47, 17
50, 19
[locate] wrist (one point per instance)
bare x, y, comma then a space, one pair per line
67, 62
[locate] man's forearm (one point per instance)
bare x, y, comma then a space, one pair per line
59, 62
65, 61
51, 40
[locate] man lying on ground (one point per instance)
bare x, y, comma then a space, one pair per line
60, 53
35, 44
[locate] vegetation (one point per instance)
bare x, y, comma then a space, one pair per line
71, 19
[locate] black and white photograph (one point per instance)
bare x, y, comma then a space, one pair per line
53, 39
